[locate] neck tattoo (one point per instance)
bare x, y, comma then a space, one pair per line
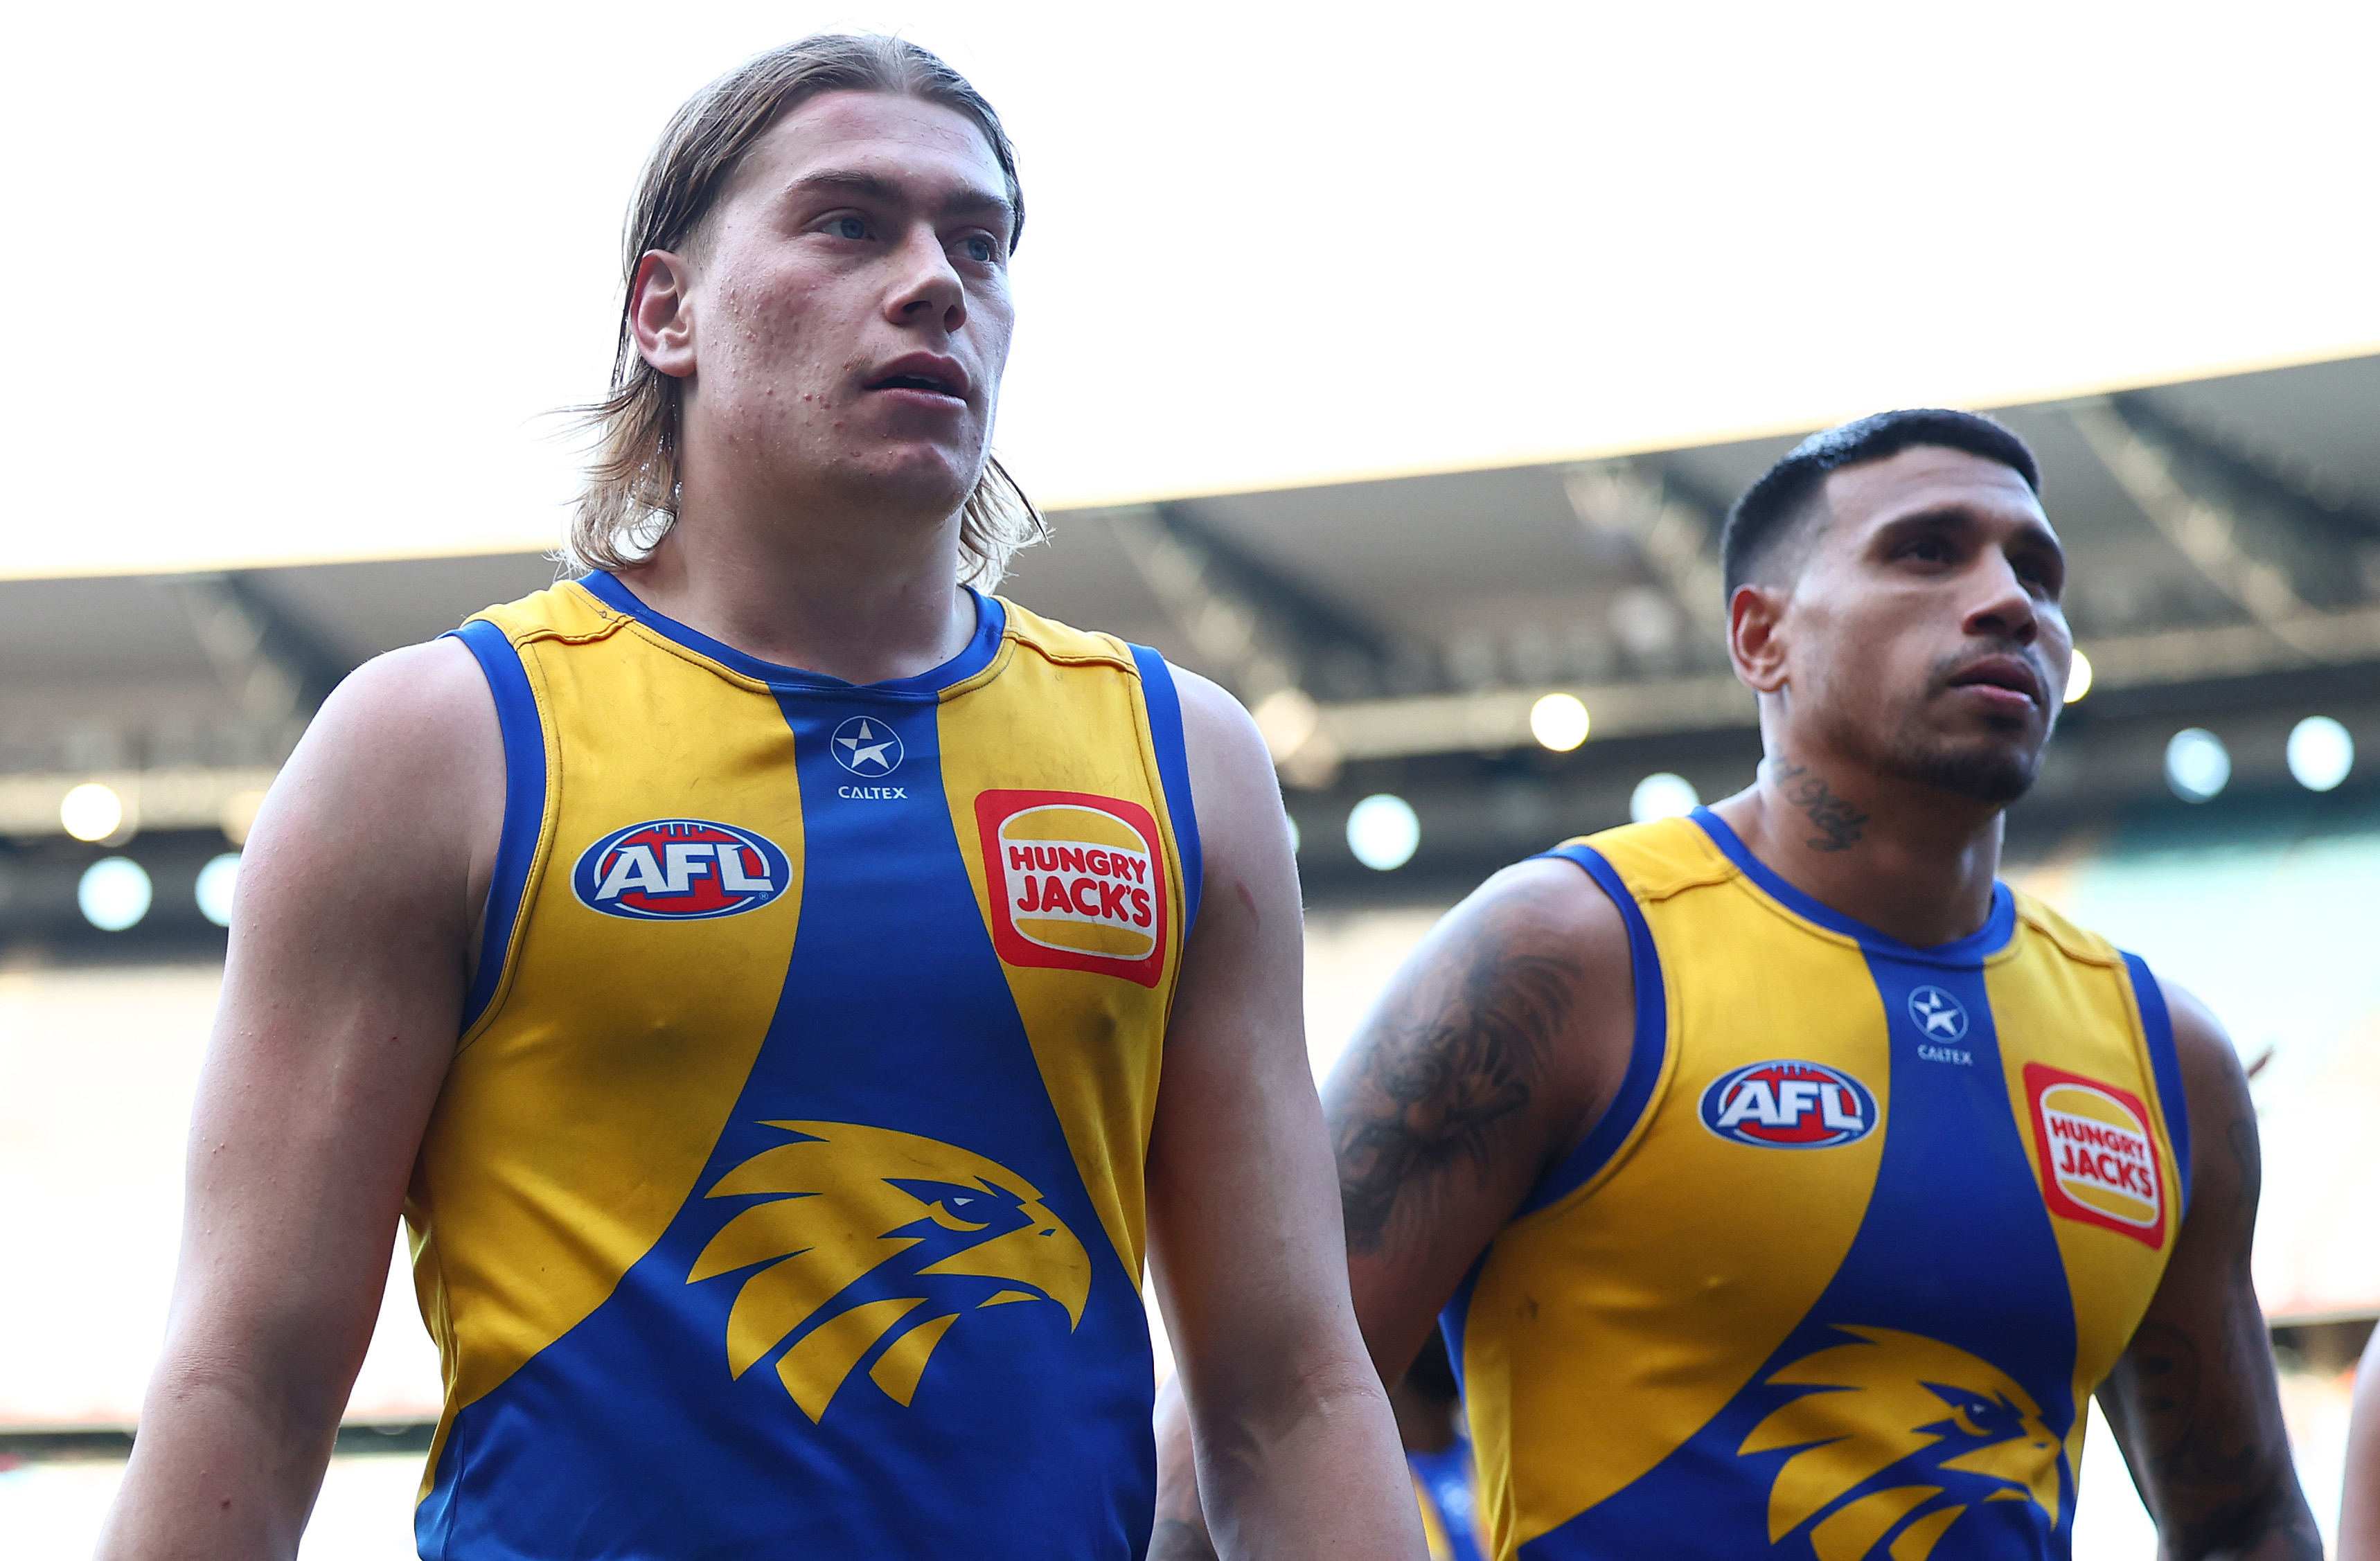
1839, 822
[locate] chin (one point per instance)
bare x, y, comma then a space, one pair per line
1992, 775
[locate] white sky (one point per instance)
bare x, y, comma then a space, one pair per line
298, 283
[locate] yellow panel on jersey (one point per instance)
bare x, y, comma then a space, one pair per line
1814, 1287
784, 1193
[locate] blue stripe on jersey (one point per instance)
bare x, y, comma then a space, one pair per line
1164, 703
1645, 1051
1999, 926
1956, 1249
524, 739
895, 1014
2164, 1066
990, 622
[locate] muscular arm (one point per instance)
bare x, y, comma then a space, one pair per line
2192, 1402
1484, 1063
1487, 1060
349, 953
1296, 1449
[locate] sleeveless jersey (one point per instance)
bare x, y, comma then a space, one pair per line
1836, 1272
784, 1195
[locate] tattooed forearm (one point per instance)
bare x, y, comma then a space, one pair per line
1441, 1074
1839, 822
2218, 1487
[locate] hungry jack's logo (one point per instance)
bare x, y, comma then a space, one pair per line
2098, 1158
1075, 881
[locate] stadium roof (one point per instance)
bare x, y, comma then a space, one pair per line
2225, 536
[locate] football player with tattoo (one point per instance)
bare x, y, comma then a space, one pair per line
787, 989
1783, 1183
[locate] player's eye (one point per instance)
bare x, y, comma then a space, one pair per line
980, 248
846, 225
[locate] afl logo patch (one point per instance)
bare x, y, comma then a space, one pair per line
1075, 881
679, 870
2098, 1158
1788, 1105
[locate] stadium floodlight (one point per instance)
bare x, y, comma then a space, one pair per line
115, 893
217, 880
1662, 795
2321, 753
1383, 832
1558, 721
2197, 764
92, 812
2077, 681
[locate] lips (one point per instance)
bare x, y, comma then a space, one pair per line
922, 371
2013, 673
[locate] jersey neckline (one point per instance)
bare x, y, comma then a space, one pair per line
1999, 926
990, 623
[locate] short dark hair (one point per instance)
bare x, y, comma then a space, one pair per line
1785, 494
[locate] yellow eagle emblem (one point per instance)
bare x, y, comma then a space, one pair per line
1902, 1435
876, 1242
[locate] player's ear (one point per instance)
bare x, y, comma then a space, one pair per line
1755, 617
661, 312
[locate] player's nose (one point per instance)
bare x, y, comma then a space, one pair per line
927, 287
2001, 608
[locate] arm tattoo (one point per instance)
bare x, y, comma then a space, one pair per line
1839, 822
1437, 1079
2203, 1432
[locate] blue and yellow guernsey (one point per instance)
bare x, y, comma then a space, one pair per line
1865, 1226
784, 1197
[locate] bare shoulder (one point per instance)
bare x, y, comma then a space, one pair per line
2226, 1159
1227, 755
1490, 1055
1543, 912
399, 782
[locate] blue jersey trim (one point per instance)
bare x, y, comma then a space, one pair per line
1651, 1039
1164, 702
524, 737
1964, 953
990, 622
2164, 1066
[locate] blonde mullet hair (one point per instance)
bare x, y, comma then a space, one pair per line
629, 501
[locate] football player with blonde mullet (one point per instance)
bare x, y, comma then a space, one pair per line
787, 991
1784, 1184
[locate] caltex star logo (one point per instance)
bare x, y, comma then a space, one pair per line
1937, 1014
865, 746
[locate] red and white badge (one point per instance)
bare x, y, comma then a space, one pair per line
1076, 882
2098, 1154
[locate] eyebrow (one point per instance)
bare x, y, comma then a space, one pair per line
1960, 517
967, 201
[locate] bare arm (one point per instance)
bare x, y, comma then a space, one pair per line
1485, 1062
1488, 1058
2192, 1402
358, 897
1295, 1448
2359, 1506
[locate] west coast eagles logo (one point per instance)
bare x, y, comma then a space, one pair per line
873, 1244
1901, 1436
